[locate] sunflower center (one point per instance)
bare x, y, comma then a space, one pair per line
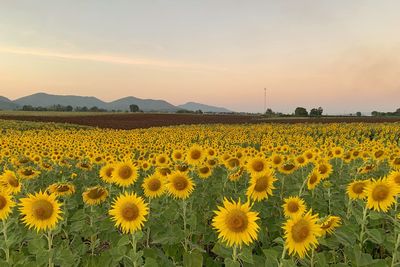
28, 172
327, 225
95, 193
288, 167
42, 209
313, 179
178, 155
358, 188
257, 166
3, 202
154, 184
397, 178
300, 160
162, 160
130, 212
233, 162
292, 207
380, 192
195, 154
300, 231
261, 184
379, 153
125, 172
322, 169
63, 188
397, 161
237, 221
204, 170
109, 172
180, 183
13, 182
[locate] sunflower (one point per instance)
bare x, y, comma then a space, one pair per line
257, 166
40, 211
301, 160
153, 186
6, 205
301, 233
325, 169
124, 174
381, 194
162, 160
395, 163
28, 173
288, 167
236, 223
204, 171
195, 155
313, 180
106, 173
10, 183
330, 224
394, 177
356, 189
61, 189
261, 186
177, 155
180, 185
94, 195
129, 211
293, 206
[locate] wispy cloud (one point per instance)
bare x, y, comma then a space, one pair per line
112, 59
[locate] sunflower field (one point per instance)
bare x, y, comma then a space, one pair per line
205, 195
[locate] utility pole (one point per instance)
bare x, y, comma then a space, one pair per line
265, 100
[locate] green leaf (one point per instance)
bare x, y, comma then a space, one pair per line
36, 245
230, 263
194, 259
150, 262
246, 255
123, 241
376, 236
221, 251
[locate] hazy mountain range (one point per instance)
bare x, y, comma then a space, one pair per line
147, 105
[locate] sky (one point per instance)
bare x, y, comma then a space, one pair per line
341, 55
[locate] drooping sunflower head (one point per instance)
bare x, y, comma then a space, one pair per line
61, 189
329, 224
180, 185
106, 173
124, 174
236, 223
395, 163
6, 205
28, 173
325, 169
356, 189
153, 186
261, 186
40, 211
313, 180
301, 233
10, 183
381, 194
129, 212
294, 206
394, 177
288, 167
94, 195
204, 171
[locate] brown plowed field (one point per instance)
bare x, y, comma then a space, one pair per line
146, 120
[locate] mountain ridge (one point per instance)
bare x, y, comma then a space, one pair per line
42, 99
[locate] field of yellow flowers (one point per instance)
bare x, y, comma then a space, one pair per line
206, 195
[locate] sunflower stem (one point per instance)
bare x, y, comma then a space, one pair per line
396, 246
302, 186
6, 250
134, 260
282, 256
363, 226
92, 237
184, 224
234, 253
49, 237
312, 258
148, 229
348, 213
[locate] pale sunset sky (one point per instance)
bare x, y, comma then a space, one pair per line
342, 55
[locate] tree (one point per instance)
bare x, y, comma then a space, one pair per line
358, 114
375, 113
301, 112
134, 108
397, 112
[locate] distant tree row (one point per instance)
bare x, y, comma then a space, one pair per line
62, 108
299, 112
378, 113
183, 111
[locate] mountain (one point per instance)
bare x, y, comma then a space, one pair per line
7, 104
193, 106
144, 104
147, 105
46, 100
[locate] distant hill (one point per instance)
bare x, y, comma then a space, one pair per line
144, 104
147, 105
7, 104
193, 106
